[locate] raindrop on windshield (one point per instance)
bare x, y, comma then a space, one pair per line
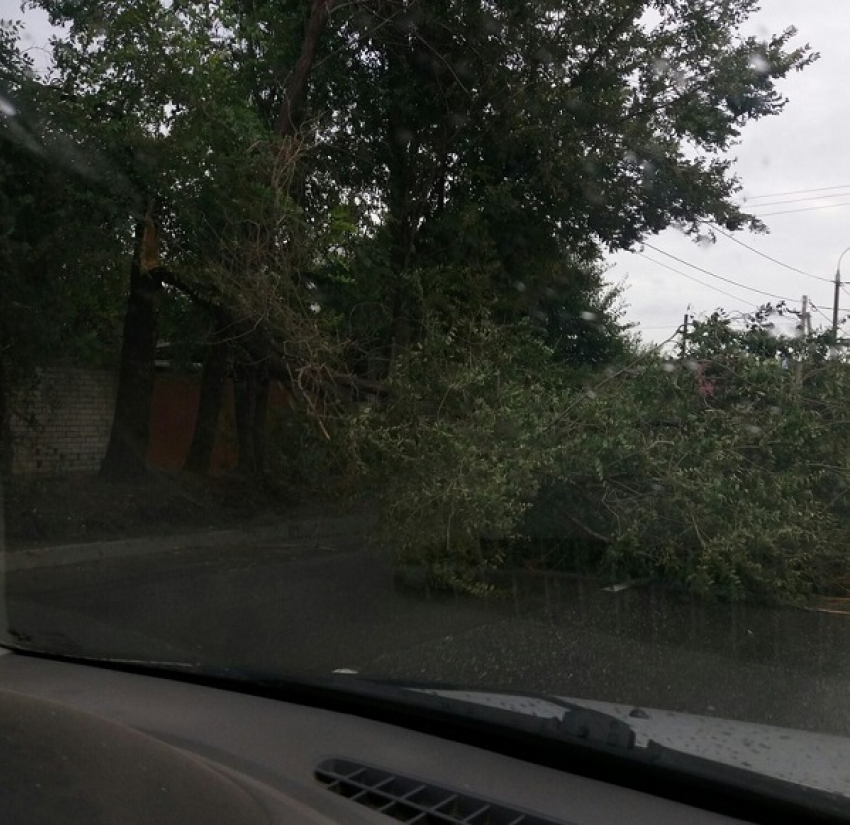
403, 136
6, 107
759, 63
660, 67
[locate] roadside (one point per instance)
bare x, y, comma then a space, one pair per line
85, 509
303, 534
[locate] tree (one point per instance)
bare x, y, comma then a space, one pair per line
720, 473
145, 74
110, 68
213, 376
504, 145
126, 453
373, 172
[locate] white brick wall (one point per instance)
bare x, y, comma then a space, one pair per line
62, 425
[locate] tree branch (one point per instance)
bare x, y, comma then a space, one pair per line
631, 13
308, 380
589, 530
291, 112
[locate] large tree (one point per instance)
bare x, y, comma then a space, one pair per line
324, 177
505, 144
195, 104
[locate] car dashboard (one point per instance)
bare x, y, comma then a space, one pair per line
84, 744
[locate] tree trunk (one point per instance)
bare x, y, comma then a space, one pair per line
245, 399
259, 423
128, 442
291, 113
6, 445
209, 405
398, 207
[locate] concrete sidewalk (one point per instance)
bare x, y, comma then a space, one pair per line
285, 531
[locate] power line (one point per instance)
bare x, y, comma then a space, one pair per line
792, 201
723, 291
820, 312
719, 277
692, 278
799, 192
768, 257
827, 317
804, 209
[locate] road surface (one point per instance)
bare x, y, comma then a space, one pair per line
313, 606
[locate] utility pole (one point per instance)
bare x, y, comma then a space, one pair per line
836, 296
835, 304
684, 335
805, 329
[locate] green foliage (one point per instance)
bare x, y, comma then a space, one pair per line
725, 475
489, 152
460, 449
474, 154
309, 462
54, 225
437, 224
724, 494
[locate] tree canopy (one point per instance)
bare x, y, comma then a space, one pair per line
404, 204
448, 154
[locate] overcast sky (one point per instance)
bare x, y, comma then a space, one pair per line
796, 164
804, 148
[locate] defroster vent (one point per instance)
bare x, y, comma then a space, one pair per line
416, 801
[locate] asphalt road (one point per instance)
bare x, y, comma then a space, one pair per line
308, 606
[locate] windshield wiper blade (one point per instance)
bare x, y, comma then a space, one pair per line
595, 726
564, 720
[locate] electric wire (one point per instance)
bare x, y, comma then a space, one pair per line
720, 277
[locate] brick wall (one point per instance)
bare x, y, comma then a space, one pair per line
61, 425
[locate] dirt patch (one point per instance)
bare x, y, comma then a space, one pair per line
86, 508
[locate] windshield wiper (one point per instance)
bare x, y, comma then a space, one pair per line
564, 720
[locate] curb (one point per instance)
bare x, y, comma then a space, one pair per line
299, 530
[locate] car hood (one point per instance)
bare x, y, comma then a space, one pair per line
815, 760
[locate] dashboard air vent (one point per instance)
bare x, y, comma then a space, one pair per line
414, 801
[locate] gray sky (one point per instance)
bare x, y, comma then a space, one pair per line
805, 148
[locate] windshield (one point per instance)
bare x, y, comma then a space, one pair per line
491, 345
